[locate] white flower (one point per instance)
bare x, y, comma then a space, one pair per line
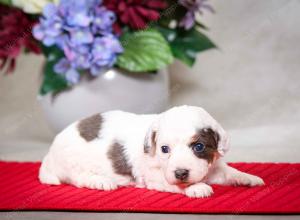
32, 6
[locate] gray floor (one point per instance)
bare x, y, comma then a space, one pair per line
140, 216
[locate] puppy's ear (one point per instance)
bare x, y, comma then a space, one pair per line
150, 140
223, 146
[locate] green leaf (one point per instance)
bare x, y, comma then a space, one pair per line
52, 82
47, 50
144, 51
186, 56
186, 44
6, 2
174, 12
169, 34
201, 25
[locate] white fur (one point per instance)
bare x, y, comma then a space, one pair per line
71, 159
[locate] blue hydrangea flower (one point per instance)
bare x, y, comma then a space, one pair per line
81, 36
64, 67
103, 20
51, 26
82, 29
103, 52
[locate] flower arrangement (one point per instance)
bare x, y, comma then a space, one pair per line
87, 37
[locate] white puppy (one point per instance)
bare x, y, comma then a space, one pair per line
176, 151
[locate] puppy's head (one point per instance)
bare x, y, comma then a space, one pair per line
187, 141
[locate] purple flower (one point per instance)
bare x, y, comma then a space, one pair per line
77, 12
72, 76
103, 52
64, 67
83, 57
50, 27
81, 36
81, 19
82, 29
103, 21
192, 6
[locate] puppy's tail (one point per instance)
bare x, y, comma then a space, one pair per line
46, 174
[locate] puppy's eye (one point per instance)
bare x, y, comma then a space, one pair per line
198, 147
165, 149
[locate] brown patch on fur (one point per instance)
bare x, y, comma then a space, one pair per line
120, 164
149, 148
89, 127
209, 138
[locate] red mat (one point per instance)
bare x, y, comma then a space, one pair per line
21, 190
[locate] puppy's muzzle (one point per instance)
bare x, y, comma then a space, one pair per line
181, 174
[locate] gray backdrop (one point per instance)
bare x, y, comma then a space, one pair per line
251, 85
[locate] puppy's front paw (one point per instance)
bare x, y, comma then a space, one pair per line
199, 190
246, 180
163, 187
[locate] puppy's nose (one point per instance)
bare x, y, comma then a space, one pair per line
181, 174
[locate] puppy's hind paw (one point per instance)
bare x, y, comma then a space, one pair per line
199, 190
99, 182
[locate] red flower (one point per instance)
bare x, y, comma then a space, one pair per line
15, 34
135, 13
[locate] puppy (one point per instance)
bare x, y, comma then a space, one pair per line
176, 151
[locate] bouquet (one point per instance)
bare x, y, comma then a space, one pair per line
87, 37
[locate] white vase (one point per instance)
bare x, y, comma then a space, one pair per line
114, 89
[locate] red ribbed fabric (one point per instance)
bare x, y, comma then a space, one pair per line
20, 189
